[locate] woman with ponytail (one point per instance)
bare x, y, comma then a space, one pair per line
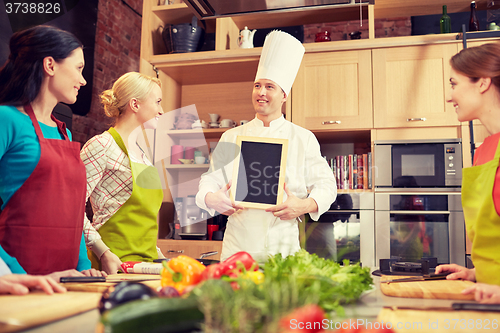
42, 179
123, 185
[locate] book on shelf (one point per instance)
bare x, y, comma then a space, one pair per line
352, 171
370, 170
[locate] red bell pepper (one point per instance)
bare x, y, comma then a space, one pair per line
216, 271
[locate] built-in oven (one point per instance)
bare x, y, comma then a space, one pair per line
416, 225
345, 231
426, 163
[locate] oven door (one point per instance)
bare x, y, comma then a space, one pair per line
418, 165
415, 226
341, 235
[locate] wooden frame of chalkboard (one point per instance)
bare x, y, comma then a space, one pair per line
259, 172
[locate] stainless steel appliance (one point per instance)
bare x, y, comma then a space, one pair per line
218, 8
417, 225
191, 221
418, 164
345, 231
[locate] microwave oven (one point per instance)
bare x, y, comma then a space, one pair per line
417, 164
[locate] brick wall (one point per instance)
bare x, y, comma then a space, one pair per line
400, 26
117, 51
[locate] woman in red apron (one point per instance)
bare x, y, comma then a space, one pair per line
42, 179
123, 185
475, 94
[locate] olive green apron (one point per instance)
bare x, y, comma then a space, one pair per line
131, 233
482, 220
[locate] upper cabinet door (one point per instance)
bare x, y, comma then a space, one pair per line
410, 85
333, 90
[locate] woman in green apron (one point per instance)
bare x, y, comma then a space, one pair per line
475, 94
123, 185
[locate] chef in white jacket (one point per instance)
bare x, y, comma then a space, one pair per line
310, 186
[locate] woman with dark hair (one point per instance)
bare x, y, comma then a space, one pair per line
475, 94
42, 179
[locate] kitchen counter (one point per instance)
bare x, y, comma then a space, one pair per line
367, 309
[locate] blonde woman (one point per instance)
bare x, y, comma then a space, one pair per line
124, 226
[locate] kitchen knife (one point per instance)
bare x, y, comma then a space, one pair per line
92, 279
440, 276
476, 307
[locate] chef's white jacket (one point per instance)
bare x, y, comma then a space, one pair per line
307, 174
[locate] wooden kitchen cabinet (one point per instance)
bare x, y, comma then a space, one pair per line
333, 90
410, 85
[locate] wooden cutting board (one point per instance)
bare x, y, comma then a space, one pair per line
419, 321
153, 281
436, 289
37, 308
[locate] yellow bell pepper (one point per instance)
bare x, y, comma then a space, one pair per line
256, 277
181, 272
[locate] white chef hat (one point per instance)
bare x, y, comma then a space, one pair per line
280, 59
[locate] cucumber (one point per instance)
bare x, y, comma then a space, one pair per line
154, 315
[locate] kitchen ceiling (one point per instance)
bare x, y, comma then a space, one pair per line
220, 8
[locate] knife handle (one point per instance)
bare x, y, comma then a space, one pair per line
82, 279
476, 307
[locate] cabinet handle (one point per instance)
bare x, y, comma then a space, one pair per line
175, 251
330, 122
416, 119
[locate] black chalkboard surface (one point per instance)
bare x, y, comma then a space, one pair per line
259, 172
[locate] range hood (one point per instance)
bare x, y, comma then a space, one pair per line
205, 9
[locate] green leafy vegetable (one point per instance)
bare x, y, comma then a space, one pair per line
336, 284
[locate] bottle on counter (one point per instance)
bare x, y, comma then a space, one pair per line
445, 22
473, 21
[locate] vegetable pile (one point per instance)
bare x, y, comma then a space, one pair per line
237, 296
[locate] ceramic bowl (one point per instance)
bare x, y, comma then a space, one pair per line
185, 161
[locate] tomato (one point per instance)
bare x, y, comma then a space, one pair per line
308, 318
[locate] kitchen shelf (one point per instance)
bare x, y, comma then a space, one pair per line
173, 14
212, 133
342, 191
294, 16
210, 66
342, 136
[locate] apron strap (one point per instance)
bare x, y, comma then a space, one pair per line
497, 153
31, 114
60, 125
114, 133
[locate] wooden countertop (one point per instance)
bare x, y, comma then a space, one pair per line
373, 306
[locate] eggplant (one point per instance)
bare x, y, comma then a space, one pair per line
124, 292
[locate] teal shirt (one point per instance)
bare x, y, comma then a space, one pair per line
19, 155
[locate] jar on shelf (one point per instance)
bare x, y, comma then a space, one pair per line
323, 36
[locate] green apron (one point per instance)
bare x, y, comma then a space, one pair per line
131, 233
482, 220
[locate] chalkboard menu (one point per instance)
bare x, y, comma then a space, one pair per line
259, 172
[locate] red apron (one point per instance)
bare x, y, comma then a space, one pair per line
41, 225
